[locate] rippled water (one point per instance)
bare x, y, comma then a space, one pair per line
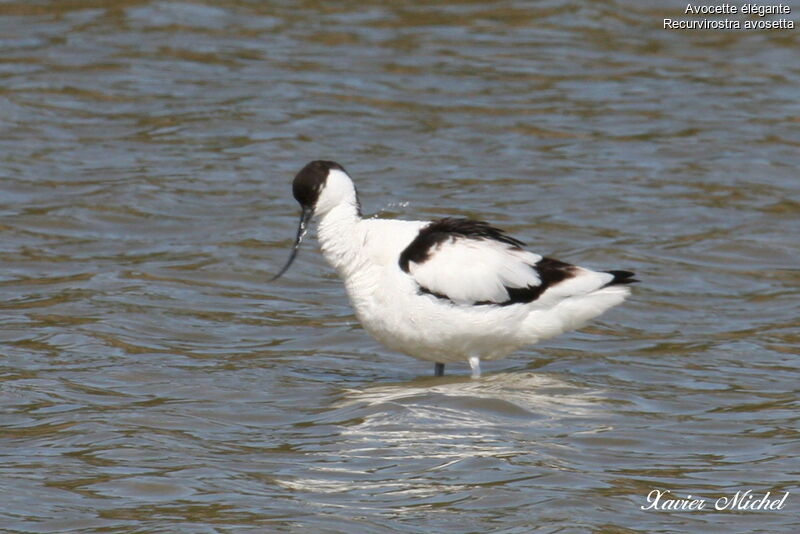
151, 380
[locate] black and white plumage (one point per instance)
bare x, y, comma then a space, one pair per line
446, 290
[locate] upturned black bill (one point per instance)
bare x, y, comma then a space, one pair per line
302, 228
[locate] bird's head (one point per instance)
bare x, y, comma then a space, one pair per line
319, 187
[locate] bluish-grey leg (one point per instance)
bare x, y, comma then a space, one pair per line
475, 365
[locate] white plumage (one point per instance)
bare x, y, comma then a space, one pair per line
469, 270
449, 290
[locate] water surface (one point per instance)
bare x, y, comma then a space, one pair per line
151, 380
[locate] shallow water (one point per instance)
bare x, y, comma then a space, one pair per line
151, 380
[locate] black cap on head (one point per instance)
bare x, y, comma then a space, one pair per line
306, 188
309, 181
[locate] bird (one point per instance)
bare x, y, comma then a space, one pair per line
447, 290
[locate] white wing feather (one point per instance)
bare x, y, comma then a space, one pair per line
583, 281
468, 270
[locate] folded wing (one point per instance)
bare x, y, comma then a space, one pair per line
472, 263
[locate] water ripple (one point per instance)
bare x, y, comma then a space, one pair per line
151, 379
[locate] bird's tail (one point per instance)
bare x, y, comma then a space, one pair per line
621, 278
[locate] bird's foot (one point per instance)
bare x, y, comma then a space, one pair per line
475, 365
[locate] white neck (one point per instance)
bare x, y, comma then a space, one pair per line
338, 190
337, 239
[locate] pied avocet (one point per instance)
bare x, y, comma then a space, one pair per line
448, 290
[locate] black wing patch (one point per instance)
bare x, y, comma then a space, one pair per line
441, 230
550, 271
